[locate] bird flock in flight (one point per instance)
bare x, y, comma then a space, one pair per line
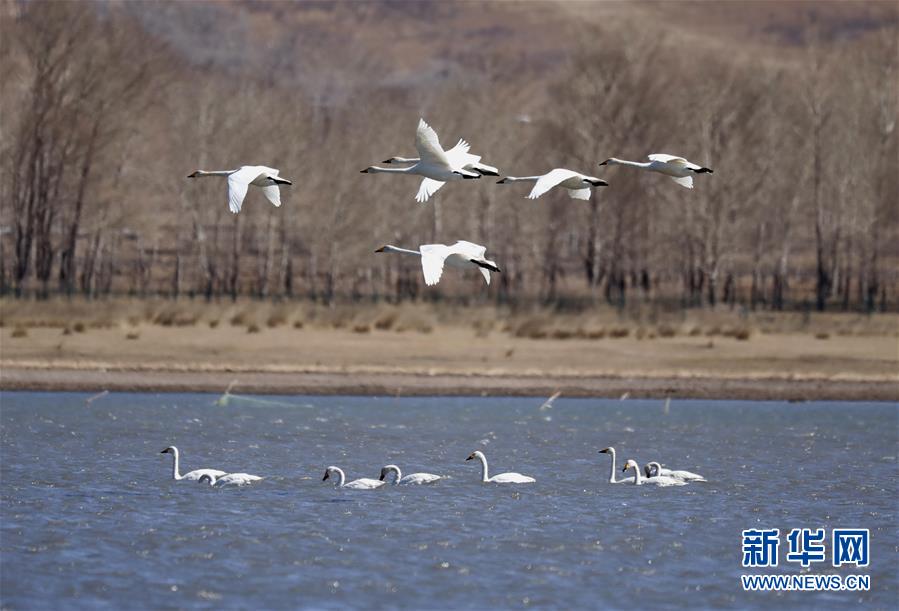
437, 167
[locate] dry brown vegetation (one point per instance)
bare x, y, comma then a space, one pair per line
538, 322
108, 106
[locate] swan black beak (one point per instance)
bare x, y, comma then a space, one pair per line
166, 451
380, 249
606, 162
388, 160
604, 451
382, 477
326, 476
501, 181
470, 457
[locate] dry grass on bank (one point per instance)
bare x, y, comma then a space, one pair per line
602, 323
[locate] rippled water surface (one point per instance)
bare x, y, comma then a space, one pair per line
91, 516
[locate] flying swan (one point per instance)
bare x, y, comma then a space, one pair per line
433, 163
678, 168
611, 452
230, 479
461, 255
192, 475
659, 480
686, 476
459, 157
357, 484
502, 478
241, 178
412, 478
579, 186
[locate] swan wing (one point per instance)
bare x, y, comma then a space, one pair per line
273, 194
672, 159
486, 273
364, 484
663, 480
429, 150
237, 191
511, 478
469, 249
550, 180
686, 476
684, 181
580, 193
433, 257
549, 402
195, 475
460, 158
237, 479
418, 479
461, 148
428, 187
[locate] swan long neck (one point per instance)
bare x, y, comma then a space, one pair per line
341, 477
201, 173
376, 170
404, 251
522, 178
398, 473
637, 477
175, 470
484, 475
612, 468
405, 159
633, 164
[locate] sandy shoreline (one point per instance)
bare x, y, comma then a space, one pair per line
419, 384
453, 359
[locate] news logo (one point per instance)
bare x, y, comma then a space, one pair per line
805, 547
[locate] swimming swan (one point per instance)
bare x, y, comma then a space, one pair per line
357, 484
244, 176
230, 479
433, 163
627, 480
502, 478
686, 476
579, 186
658, 480
192, 475
678, 168
412, 478
462, 255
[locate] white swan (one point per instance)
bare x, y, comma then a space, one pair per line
241, 178
192, 475
412, 478
678, 168
658, 480
357, 484
502, 478
611, 452
686, 476
459, 157
433, 163
229, 479
462, 255
579, 186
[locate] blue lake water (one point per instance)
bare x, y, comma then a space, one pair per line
91, 517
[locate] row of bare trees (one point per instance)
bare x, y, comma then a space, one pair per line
102, 122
